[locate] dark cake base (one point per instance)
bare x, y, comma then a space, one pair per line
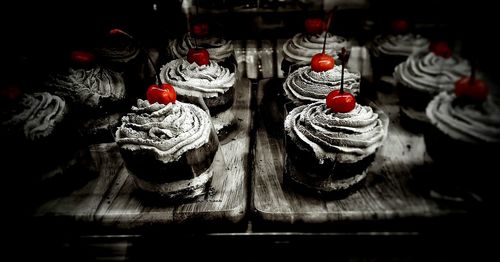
303, 168
460, 164
412, 108
182, 178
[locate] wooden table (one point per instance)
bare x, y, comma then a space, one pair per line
394, 192
111, 199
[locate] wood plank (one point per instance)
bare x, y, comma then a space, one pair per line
267, 58
252, 59
240, 55
388, 194
82, 203
279, 56
124, 207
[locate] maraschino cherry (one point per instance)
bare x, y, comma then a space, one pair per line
198, 55
314, 25
400, 26
82, 57
341, 101
10, 93
471, 88
441, 48
199, 30
323, 62
162, 93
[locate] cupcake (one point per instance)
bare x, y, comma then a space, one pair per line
34, 125
462, 137
213, 82
328, 151
420, 78
299, 50
168, 149
122, 53
305, 85
96, 93
387, 51
221, 50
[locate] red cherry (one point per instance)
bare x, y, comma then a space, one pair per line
322, 62
475, 90
163, 95
116, 31
200, 30
82, 57
400, 26
340, 102
314, 25
10, 93
441, 48
198, 55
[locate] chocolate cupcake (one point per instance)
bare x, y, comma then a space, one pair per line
331, 152
212, 82
38, 128
168, 149
97, 94
299, 50
420, 78
461, 139
122, 54
387, 51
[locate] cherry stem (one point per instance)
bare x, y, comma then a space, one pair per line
343, 54
143, 49
472, 72
330, 14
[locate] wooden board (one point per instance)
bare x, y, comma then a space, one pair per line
390, 192
252, 59
112, 199
226, 202
82, 203
267, 58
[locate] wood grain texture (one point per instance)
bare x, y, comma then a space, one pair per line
125, 207
82, 203
279, 56
267, 58
111, 199
389, 192
252, 59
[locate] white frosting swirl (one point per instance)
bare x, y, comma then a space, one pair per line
400, 45
344, 137
431, 73
37, 115
167, 131
307, 85
218, 48
192, 80
471, 123
119, 52
302, 47
89, 86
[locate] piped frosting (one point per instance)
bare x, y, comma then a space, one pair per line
307, 85
192, 80
37, 115
167, 131
218, 48
400, 45
302, 47
88, 86
344, 137
431, 73
467, 122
